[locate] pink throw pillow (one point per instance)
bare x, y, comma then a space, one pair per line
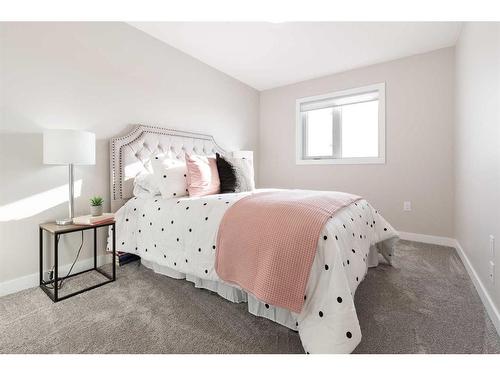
202, 176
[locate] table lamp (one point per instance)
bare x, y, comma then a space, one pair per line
68, 147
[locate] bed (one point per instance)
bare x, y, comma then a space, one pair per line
177, 237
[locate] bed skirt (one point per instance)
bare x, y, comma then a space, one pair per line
234, 294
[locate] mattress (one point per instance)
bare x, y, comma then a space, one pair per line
177, 238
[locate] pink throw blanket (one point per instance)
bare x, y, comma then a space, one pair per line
267, 242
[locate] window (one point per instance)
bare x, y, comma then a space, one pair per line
345, 127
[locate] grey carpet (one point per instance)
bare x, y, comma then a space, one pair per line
425, 303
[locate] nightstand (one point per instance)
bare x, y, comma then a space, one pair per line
51, 288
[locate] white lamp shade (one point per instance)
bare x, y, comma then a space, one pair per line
65, 146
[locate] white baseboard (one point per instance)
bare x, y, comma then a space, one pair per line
425, 238
16, 285
481, 289
32, 280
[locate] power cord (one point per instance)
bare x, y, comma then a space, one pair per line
71, 268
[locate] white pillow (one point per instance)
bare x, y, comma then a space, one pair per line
145, 185
170, 176
244, 173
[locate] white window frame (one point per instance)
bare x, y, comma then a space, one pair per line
299, 136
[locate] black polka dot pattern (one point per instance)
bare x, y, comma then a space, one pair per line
344, 241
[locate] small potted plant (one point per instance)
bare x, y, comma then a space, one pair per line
96, 206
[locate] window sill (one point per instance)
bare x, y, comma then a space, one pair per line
340, 161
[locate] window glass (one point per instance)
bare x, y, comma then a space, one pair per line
319, 132
360, 130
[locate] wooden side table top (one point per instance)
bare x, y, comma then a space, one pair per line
53, 228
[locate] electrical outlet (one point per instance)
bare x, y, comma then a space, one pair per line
492, 247
492, 272
407, 206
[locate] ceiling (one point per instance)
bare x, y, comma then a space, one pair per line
266, 55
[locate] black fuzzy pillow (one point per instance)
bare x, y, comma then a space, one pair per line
227, 175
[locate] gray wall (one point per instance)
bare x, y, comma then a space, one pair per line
419, 142
477, 148
101, 77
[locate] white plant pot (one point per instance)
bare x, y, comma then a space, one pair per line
96, 210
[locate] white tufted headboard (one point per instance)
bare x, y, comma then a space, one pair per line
130, 153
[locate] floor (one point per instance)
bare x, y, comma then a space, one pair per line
424, 303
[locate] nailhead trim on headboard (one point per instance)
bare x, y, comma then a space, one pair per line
119, 145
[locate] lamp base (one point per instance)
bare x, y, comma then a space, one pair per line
64, 221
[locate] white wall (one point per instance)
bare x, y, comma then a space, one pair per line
104, 77
101, 77
419, 142
477, 149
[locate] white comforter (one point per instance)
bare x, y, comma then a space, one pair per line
181, 234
